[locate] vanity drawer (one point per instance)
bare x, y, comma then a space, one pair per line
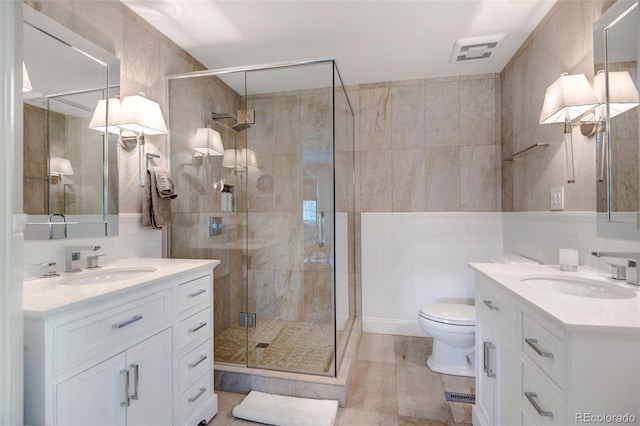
541, 403
193, 293
499, 306
97, 333
194, 327
195, 363
544, 348
197, 394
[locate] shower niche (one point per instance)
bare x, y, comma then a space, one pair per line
287, 247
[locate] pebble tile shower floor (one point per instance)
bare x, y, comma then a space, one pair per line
284, 345
391, 385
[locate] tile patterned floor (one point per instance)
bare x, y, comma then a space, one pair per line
391, 386
285, 345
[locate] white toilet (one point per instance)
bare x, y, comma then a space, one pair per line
453, 327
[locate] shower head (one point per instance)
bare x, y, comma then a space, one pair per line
240, 126
242, 121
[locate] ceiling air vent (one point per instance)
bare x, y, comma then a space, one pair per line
475, 48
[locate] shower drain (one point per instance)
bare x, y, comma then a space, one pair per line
460, 397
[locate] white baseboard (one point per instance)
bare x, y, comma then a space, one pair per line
392, 326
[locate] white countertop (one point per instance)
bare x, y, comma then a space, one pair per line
576, 313
45, 296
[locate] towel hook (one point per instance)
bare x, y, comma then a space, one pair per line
148, 157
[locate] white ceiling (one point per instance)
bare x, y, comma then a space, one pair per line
372, 41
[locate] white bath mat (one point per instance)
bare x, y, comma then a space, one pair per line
281, 410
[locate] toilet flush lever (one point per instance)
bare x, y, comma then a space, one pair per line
490, 305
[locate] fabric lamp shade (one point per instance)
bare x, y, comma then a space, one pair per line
248, 158
623, 94
141, 115
569, 97
239, 159
60, 166
208, 142
100, 115
230, 159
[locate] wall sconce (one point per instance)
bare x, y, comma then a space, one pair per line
208, 142
136, 117
111, 107
623, 94
59, 167
568, 98
139, 116
239, 160
26, 81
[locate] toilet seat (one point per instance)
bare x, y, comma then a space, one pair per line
449, 313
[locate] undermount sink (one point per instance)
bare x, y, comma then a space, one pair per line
578, 286
109, 275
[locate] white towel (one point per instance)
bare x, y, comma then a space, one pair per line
281, 410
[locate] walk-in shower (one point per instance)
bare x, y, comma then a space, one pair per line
277, 209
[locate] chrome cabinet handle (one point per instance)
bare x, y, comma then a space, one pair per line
197, 293
202, 390
531, 396
202, 324
485, 347
195, 364
127, 322
490, 305
320, 222
487, 362
126, 401
534, 344
136, 378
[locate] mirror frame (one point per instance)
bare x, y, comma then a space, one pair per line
608, 227
80, 225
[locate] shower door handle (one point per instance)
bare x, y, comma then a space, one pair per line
320, 225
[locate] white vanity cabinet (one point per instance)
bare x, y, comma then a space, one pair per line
131, 388
536, 369
141, 355
496, 357
194, 346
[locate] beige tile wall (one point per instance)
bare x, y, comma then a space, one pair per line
428, 145
400, 124
35, 180
562, 42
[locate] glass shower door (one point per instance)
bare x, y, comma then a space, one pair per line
289, 254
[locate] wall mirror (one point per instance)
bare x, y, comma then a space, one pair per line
70, 184
616, 41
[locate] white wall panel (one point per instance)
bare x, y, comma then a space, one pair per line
409, 259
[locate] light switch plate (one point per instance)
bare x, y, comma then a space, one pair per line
557, 198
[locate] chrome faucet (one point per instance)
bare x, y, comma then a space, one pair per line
72, 257
632, 263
